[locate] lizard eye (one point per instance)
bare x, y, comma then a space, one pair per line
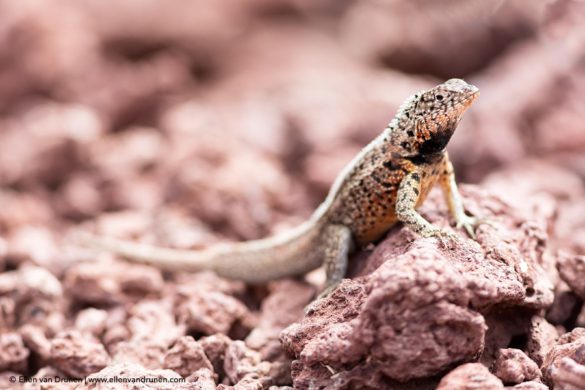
439, 97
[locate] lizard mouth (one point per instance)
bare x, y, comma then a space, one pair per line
472, 93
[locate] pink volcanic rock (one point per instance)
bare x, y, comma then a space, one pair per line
572, 271
384, 32
569, 374
565, 363
282, 307
76, 355
542, 336
212, 312
215, 347
243, 364
108, 282
541, 99
530, 385
565, 305
13, 353
415, 307
203, 379
470, 376
186, 357
513, 366
92, 321
35, 339
151, 330
31, 295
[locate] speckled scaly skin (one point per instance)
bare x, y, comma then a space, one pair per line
382, 185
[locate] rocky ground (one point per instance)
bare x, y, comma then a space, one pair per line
191, 123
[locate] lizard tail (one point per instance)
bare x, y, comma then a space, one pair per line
293, 253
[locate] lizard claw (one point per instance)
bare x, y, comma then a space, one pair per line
469, 224
446, 238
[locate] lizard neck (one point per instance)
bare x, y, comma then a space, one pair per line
421, 158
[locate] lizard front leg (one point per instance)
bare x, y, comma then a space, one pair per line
454, 200
406, 199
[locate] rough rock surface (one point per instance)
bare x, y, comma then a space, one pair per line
414, 294
94, 283
77, 356
564, 365
13, 354
513, 366
572, 271
186, 124
186, 357
542, 337
470, 376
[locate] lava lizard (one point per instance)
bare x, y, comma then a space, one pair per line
382, 185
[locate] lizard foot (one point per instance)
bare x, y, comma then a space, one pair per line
469, 224
446, 238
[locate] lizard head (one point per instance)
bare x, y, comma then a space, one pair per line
438, 112
430, 117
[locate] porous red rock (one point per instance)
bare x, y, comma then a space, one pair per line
531, 385
382, 32
235, 364
566, 360
211, 312
470, 376
35, 339
33, 244
194, 124
417, 295
512, 366
92, 321
569, 374
243, 364
427, 321
572, 271
76, 355
580, 321
151, 330
282, 307
215, 347
542, 337
203, 379
565, 305
186, 357
13, 353
32, 294
108, 282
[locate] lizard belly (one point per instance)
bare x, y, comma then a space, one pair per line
376, 231
380, 212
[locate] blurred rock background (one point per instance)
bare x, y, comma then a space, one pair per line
190, 122
252, 107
